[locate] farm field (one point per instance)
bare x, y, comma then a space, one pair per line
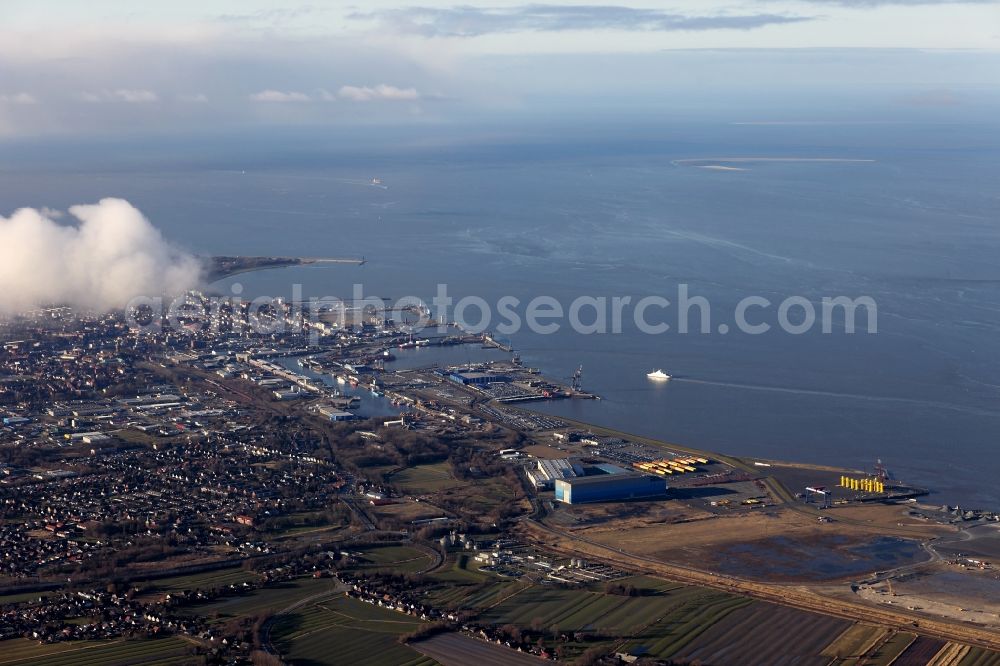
204, 581
152, 652
978, 657
854, 643
454, 595
457, 650
760, 632
592, 610
273, 598
696, 611
340, 630
920, 652
887, 653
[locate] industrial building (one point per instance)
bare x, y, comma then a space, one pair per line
335, 414
476, 378
549, 470
608, 488
288, 394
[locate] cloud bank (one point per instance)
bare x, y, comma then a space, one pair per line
18, 98
153, 78
121, 95
867, 4
381, 92
279, 96
467, 21
110, 255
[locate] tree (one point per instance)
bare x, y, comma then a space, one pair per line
591, 656
261, 658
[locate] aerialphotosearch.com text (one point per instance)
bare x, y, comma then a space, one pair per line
682, 312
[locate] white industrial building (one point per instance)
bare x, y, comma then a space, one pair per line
549, 470
335, 414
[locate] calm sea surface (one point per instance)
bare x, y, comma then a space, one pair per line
917, 229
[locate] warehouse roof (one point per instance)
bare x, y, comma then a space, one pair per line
603, 478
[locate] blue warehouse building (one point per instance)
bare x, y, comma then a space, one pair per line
609, 488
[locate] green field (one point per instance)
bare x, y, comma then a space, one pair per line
454, 596
152, 652
661, 619
398, 558
201, 581
892, 648
462, 569
853, 643
696, 610
425, 479
340, 630
980, 657
272, 598
22, 597
590, 610
460, 584
483, 496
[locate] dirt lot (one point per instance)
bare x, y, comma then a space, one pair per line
980, 541
645, 536
890, 516
779, 544
611, 515
547, 452
946, 591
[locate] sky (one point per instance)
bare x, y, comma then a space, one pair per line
113, 67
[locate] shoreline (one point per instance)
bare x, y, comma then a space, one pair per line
743, 463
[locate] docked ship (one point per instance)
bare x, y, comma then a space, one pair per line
658, 375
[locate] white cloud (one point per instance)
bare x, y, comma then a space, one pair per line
352, 93
126, 95
135, 96
18, 98
468, 21
462, 76
379, 92
279, 96
107, 255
